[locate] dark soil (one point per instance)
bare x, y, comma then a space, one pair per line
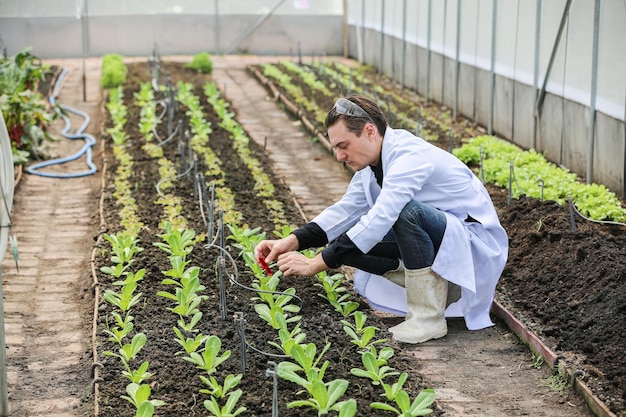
567, 286
176, 381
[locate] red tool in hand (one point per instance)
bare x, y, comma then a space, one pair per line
264, 265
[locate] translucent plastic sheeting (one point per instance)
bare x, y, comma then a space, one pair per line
6, 190
515, 32
60, 8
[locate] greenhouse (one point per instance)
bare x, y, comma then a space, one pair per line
305, 208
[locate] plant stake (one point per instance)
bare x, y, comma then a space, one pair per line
510, 194
196, 186
571, 213
240, 326
273, 373
482, 171
221, 262
171, 105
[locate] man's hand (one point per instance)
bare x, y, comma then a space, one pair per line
295, 263
271, 249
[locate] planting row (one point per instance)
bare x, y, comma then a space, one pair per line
183, 290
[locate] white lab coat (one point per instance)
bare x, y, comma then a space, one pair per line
471, 255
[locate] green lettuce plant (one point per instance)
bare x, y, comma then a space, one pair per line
210, 358
229, 409
336, 294
201, 62
26, 113
325, 398
124, 327
218, 390
392, 390
126, 298
376, 367
189, 344
419, 407
113, 71
361, 335
287, 339
139, 396
177, 242
504, 163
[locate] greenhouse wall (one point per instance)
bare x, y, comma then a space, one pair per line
490, 60
71, 28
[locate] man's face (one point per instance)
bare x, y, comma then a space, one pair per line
356, 151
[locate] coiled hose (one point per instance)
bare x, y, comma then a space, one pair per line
85, 150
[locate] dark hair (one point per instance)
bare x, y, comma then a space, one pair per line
355, 124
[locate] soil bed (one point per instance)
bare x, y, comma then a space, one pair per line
176, 381
567, 286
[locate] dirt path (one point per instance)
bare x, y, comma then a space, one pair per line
49, 304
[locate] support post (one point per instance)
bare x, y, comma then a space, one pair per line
594, 91
555, 48
404, 42
430, 25
85, 45
457, 59
492, 82
216, 23
346, 43
533, 144
382, 38
362, 39
254, 27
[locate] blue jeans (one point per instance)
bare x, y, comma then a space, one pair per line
415, 238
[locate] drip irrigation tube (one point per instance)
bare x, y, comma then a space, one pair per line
85, 150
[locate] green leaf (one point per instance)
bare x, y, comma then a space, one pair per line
320, 393
145, 409
336, 389
346, 408
385, 406
421, 403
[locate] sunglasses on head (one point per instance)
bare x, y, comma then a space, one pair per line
348, 108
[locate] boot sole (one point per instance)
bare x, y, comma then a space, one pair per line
422, 340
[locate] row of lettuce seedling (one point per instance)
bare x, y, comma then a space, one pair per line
498, 162
124, 247
305, 367
187, 287
276, 306
186, 294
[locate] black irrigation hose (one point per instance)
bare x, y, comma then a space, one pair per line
232, 279
573, 206
175, 177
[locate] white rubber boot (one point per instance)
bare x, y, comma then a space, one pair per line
426, 296
397, 275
